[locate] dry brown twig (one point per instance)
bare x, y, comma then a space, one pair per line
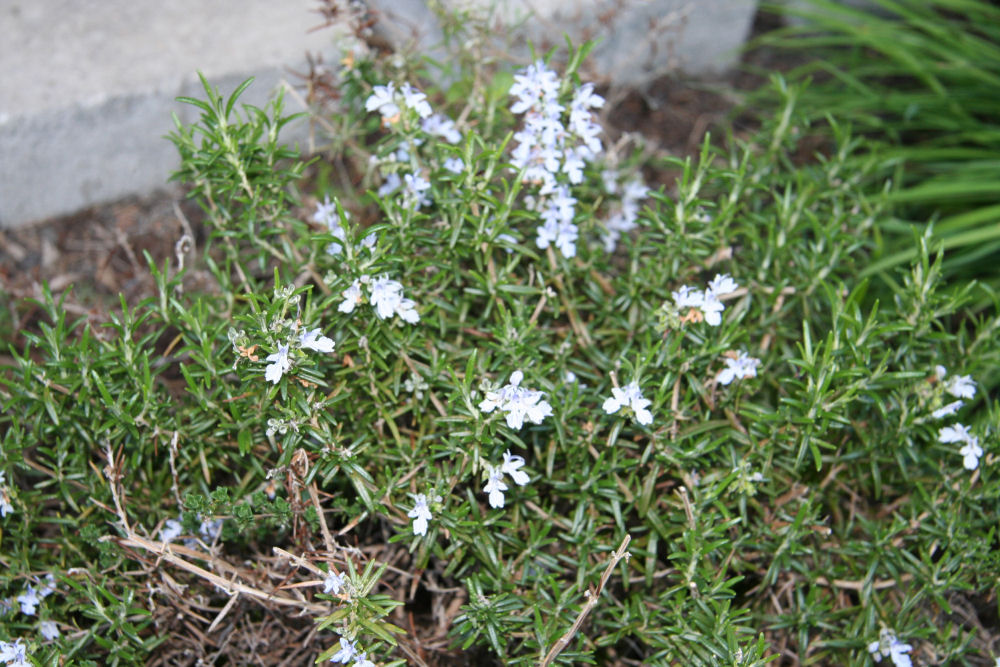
171, 554
165, 552
237, 583
591, 596
172, 450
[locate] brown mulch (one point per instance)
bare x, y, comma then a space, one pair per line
96, 255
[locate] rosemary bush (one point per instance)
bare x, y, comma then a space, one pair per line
480, 390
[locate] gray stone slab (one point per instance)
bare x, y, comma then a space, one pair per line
86, 89
638, 40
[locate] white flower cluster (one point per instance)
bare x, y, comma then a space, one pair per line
551, 146
546, 146
959, 386
518, 402
421, 513
333, 583
630, 398
390, 101
970, 451
415, 189
708, 300
557, 226
348, 652
385, 295
414, 186
888, 646
327, 214
14, 654
416, 385
738, 366
438, 125
623, 220
312, 339
495, 486
5, 506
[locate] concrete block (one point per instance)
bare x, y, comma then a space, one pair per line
638, 39
86, 89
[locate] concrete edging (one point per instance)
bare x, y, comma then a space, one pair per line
86, 90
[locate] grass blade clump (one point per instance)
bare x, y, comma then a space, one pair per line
919, 80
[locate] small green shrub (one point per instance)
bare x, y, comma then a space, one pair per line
488, 393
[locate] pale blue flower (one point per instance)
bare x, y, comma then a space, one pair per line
14, 654
455, 165
352, 297
49, 630
346, 653
421, 514
947, 410
440, 126
171, 530
495, 487
279, 364
29, 600
630, 397
383, 100
512, 466
739, 367
888, 646
519, 403
315, 340
333, 583
970, 451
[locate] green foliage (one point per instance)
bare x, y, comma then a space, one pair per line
919, 80
797, 510
244, 146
